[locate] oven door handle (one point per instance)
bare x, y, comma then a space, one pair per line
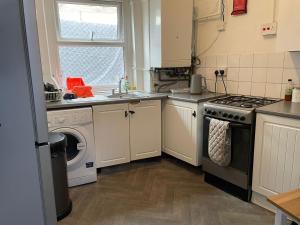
232, 125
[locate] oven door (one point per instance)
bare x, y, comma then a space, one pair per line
239, 170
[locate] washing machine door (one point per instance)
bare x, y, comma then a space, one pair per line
76, 145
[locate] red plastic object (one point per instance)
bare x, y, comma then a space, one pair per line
83, 91
73, 82
239, 7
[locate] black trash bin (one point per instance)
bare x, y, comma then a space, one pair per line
58, 143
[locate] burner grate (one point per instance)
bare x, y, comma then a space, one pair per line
244, 101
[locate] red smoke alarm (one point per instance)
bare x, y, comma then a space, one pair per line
239, 7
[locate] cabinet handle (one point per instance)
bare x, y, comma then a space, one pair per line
126, 114
132, 112
194, 114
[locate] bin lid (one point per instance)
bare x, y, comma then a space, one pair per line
57, 141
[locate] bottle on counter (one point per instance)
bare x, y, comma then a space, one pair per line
289, 91
296, 95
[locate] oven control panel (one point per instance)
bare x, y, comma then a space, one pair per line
229, 114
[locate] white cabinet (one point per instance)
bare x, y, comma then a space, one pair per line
182, 131
276, 155
111, 130
145, 129
171, 23
125, 132
288, 27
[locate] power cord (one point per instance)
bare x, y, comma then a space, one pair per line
216, 73
222, 72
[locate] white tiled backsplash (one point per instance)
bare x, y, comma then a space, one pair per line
256, 74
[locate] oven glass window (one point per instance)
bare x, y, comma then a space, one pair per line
72, 150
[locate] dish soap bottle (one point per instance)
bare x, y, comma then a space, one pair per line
289, 91
126, 84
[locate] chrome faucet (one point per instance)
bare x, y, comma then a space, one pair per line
120, 85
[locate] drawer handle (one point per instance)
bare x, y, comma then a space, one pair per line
132, 112
194, 114
126, 114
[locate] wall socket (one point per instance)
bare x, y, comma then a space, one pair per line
222, 69
269, 29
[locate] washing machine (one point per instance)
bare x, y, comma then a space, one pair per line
77, 126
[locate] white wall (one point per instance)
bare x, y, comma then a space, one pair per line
256, 66
242, 33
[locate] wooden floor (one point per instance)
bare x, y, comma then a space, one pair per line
158, 192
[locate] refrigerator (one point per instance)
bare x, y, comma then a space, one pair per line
26, 183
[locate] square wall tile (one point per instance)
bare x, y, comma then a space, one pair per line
211, 85
293, 74
234, 61
292, 60
274, 75
283, 87
260, 60
222, 61
232, 87
233, 74
220, 87
211, 61
258, 89
203, 61
202, 71
244, 88
246, 60
273, 90
276, 60
259, 75
245, 74
210, 73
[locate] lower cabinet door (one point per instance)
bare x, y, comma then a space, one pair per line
111, 130
180, 124
276, 156
145, 129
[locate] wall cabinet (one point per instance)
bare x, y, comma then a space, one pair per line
288, 27
182, 130
171, 23
126, 132
276, 155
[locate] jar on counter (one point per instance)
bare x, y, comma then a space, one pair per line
296, 95
289, 91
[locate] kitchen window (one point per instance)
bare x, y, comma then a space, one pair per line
91, 43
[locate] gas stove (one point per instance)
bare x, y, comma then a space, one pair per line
236, 108
239, 111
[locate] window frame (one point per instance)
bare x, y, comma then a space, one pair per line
122, 40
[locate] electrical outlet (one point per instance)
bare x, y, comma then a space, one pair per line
222, 72
269, 29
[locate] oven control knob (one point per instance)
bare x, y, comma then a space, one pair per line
214, 113
225, 115
230, 116
243, 118
236, 117
208, 111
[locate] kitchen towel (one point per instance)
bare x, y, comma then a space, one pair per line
219, 144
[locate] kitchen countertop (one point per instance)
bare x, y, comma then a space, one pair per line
283, 109
186, 97
104, 100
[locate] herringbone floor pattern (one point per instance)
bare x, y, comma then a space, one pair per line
158, 192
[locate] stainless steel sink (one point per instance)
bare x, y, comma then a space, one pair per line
124, 96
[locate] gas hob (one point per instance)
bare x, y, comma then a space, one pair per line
244, 102
236, 108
